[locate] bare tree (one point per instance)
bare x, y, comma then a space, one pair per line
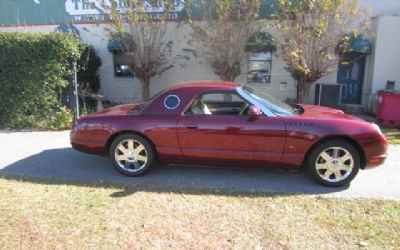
222, 35
312, 30
142, 37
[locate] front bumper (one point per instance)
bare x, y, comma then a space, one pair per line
375, 151
375, 161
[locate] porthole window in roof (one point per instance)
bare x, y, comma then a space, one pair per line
172, 102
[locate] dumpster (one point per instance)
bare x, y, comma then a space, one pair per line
388, 113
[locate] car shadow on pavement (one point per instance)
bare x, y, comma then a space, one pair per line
67, 166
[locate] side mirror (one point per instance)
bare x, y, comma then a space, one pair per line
253, 111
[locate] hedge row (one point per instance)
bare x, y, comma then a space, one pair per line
34, 68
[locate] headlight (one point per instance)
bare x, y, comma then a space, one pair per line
377, 128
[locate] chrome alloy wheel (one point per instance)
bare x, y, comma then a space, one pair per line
334, 164
131, 155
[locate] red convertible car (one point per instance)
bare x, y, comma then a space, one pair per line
226, 123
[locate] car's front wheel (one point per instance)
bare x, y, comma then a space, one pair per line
334, 163
132, 154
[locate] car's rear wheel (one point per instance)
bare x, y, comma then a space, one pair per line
132, 155
334, 163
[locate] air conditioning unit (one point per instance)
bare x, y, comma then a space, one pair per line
328, 95
392, 85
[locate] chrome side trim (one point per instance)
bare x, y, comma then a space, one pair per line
253, 101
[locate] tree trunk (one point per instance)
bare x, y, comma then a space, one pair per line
145, 89
84, 104
224, 77
227, 97
304, 88
228, 77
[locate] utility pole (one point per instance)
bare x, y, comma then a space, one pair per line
76, 108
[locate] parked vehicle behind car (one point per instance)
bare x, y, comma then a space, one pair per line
195, 123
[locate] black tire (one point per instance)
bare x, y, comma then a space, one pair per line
148, 152
315, 155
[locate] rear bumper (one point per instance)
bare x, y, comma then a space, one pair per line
88, 148
83, 142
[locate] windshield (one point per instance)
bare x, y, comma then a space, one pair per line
270, 102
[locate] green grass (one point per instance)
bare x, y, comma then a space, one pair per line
393, 135
72, 216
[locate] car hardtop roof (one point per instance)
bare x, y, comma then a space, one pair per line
185, 92
218, 85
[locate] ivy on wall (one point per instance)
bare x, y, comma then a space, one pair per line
34, 68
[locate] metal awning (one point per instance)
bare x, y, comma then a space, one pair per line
261, 42
68, 28
115, 44
120, 42
355, 44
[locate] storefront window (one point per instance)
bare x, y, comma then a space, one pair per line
121, 67
259, 68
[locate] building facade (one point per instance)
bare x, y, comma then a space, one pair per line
360, 74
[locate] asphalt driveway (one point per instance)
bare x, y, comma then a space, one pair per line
48, 155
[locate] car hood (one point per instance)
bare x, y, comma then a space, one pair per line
119, 110
324, 112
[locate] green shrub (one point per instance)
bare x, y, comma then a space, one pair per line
63, 119
34, 68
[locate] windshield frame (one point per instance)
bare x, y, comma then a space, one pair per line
267, 110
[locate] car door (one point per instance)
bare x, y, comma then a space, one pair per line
231, 138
